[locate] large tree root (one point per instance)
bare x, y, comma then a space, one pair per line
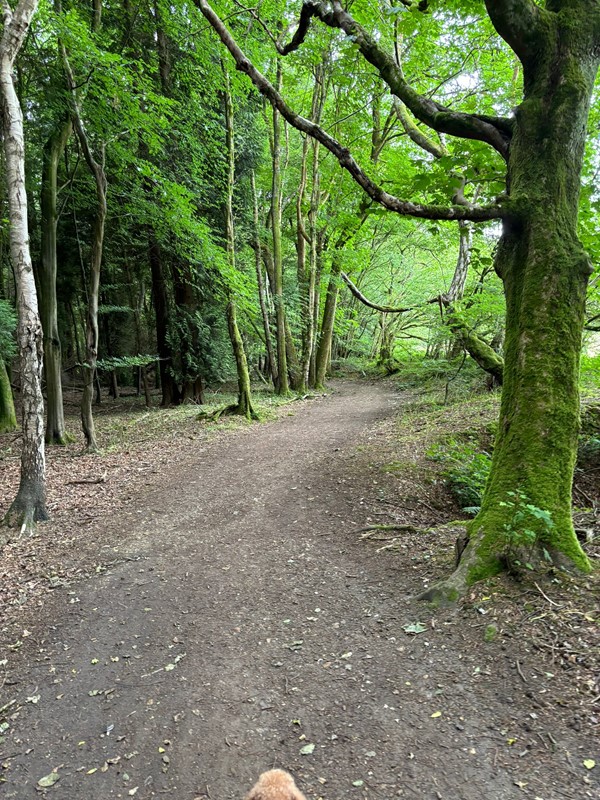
234, 409
21, 518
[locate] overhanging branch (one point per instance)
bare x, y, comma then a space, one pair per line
342, 154
496, 131
385, 309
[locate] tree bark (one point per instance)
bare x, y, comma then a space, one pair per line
93, 279
55, 415
244, 402
261, 289
8, 417
283, 386
29, 505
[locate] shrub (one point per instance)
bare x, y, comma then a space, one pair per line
465, 470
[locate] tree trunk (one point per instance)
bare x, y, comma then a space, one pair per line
261, 289
93, 279
282, 367
29, 505
244, 403
8, 417
55, 415
545, 273
169, 388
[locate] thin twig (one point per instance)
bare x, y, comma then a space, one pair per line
545, 595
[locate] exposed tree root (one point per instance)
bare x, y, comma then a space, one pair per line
234, 409
21, 518
371, 530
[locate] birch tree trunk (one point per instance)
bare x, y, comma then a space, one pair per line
29, 505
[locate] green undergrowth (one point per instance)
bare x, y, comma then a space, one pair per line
441, 380
465, 469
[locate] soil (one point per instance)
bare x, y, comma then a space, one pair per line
231, 614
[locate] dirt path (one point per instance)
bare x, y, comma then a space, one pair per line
250, 629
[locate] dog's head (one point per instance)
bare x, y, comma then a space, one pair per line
276, 784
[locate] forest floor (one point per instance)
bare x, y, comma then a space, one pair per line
209, 605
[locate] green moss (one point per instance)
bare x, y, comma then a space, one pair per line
491, 632
8, 418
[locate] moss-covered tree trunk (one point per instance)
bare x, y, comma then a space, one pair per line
545, 273
244, 402
8, 417
55, 415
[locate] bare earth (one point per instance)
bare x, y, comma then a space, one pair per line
244, 624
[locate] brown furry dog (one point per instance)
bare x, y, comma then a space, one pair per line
276, 784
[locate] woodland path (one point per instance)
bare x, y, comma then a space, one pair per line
252, 623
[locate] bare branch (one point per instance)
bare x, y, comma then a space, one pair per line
496, 132
385, 309
343, 155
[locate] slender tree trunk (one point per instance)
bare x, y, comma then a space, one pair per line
8, 417
93, 289
244, 403
282, 366
55, 415
91, 334
301, 240
326, 335
261, 289
545, 271
170, 390
29, 505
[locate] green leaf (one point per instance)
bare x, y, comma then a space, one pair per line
414, 628
49, 780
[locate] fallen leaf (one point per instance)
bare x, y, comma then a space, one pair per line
589, 763
49, 780
307, 749
358, 783
436, 714
414, 628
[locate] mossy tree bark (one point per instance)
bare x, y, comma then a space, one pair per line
29, 506
55, 415
8, 417
545, 272
244, 402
